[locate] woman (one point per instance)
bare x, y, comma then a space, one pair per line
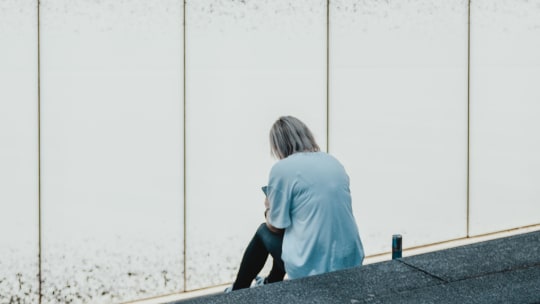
310, 228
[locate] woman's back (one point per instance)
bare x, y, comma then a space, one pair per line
310, 199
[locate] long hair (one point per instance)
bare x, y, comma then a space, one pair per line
289, 135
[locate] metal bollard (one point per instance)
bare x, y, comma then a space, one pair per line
396, 246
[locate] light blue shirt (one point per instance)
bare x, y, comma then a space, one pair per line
310, 198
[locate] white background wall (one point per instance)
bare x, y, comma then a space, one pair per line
111, 149
151, 168
398, 116
505, 107
234, 92
18, 152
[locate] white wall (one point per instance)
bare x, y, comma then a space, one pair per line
117, 173
234, 92
18, 152
505, 107
398, 117
111, 149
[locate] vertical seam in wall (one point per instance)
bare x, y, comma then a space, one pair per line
328, 76
468, 114
184, 140
39, 148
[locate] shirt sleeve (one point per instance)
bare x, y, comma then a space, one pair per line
280, 194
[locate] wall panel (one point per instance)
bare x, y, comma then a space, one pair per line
112, 152
248, 62
398, 116
505, 106
18, 152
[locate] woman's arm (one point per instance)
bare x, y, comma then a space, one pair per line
270, 227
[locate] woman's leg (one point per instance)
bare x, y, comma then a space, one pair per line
277, 273
273, 244
264, 242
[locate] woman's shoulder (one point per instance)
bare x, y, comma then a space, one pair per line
302, 159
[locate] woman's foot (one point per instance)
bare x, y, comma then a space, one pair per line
259, 281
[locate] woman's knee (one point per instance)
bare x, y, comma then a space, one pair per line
263, 229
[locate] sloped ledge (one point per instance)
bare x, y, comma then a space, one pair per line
505, 270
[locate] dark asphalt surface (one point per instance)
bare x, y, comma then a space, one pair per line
505, 270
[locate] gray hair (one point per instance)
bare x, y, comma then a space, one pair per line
289, 135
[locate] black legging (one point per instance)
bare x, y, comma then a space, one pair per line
264, 242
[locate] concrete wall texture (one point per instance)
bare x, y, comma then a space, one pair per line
134, 134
